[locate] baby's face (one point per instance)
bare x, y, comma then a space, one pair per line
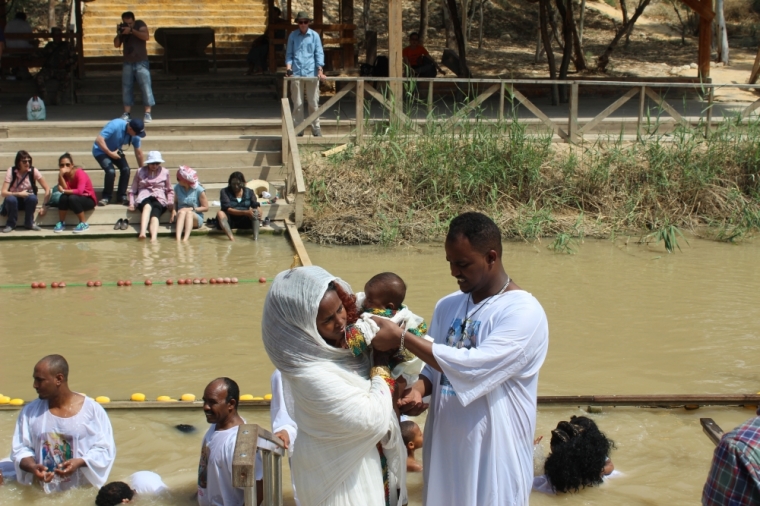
374, 299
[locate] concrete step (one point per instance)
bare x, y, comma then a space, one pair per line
109, 215
107, 231
218, 19
159, 127
157, 142
196, 159
222, 94
205, 176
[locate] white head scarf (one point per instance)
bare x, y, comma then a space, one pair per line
340, 413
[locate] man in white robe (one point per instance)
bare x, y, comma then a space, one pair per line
63, 439
220, 402
491, 338
283, 426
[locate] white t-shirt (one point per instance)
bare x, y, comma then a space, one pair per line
52, 440
147, 483
482, 417
215, 469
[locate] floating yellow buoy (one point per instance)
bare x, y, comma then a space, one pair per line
257, 399
268, 397
4, 399
187, 397
163, 398
16, 402
246, 397
137, 397
102, 399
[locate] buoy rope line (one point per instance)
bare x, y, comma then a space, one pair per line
139, 397
148, 282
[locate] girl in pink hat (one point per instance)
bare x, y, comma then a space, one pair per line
189, 203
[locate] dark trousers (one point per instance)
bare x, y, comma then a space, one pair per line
425, 67
109, 165
11, 206
75, 203
258, 56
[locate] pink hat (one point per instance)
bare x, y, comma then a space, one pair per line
187, 174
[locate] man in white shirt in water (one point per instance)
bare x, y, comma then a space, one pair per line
63, 439
220, 403
491, 339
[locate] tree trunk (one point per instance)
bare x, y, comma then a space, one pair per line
463, 24
574, 40
722, 35
583, 18
461, 43
424, 20
480, 32
51, 14
567, 37
451, 39
365, 15
604, 59
543, 21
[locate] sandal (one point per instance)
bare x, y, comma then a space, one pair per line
124, 224
118, 224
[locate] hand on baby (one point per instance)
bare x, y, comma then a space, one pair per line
388, 337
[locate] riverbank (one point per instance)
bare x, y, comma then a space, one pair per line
404, 187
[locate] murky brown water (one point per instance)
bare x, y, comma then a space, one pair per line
623, 319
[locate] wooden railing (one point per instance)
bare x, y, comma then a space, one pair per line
244, 465
295, 189
478, 91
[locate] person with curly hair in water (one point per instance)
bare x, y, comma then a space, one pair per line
579, 457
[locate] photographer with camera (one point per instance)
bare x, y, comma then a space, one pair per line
134, 36
107, 151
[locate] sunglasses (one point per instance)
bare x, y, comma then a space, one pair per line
154, 163
26, 160
303, 22
64, 165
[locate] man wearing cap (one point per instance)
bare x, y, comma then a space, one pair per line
305, 58
107, 151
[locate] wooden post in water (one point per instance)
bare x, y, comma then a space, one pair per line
712, 429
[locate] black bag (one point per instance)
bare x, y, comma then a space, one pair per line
382, 67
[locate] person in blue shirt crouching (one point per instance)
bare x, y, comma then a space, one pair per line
107, 151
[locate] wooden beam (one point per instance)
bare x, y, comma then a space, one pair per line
712, 429
755, 69
244, 458
748, 110
537, 112
318, 12
705, 47
399, 116
701, 7
668, 108
472, 105
395, 40
653, 400
80, 37
359, 112
298, 243
308, 121
609, 110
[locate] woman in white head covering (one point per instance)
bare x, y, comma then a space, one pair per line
342, 406
152, 193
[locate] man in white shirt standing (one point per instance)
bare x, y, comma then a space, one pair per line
491, 338
63, 439
220, 403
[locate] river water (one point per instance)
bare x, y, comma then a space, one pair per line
624, 319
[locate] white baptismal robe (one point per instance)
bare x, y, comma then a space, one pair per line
52, 440
482, 416
215, 468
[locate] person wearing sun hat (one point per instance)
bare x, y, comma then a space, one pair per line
189, 203
152, 192
107, 152
305, 58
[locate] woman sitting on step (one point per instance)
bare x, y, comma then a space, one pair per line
239, 207
153, 193
189, 203
20, 193
77, 194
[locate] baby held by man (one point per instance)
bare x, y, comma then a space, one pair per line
383, 297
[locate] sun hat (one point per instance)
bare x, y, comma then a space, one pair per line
138, 126
302, 15
154, 157
187, 174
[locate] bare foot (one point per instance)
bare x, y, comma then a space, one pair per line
141, 236
153, 240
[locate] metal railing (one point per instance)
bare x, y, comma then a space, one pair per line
478, 91
295, 189
244, 465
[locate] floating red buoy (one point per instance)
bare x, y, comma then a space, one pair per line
226, 280
169, 282
53, 285
204, 281
127, 283
148, 282
212, 281
98, 283
196, 281
262, 280
120, 283
41, 285
233, 280
90, 284
180, 281
61, 285
35, 285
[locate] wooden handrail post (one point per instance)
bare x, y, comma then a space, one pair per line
501, 102
640, 119
710, 99
359, 111
572, 127
244, 462
430, 98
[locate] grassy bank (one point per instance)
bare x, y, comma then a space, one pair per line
401, 187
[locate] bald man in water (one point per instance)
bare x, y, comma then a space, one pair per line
62, 440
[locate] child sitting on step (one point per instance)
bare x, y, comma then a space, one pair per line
384, 296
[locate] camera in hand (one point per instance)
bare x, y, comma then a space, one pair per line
120, 28
120, 153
